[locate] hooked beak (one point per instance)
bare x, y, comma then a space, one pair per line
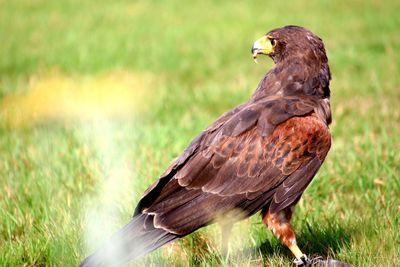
261, 46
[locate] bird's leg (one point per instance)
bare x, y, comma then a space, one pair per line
226, 229
279, 224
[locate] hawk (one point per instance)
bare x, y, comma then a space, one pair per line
259, 156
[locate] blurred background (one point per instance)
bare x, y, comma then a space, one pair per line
98, 97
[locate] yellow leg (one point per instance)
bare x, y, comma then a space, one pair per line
296, 251
279, 223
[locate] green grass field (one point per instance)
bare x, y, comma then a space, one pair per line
97, 98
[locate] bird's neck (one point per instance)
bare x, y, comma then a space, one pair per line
295, 78
298, 80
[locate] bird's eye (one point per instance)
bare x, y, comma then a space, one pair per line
273, 42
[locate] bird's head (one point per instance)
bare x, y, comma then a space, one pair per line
288, 42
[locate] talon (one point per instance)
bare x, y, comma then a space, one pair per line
303, 261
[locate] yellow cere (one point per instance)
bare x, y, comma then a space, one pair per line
265, 45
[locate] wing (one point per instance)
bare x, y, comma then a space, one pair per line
254, 155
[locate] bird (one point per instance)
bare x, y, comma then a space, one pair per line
258, 157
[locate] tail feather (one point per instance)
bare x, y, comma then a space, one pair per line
135, 239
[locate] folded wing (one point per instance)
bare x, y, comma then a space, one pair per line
257, 155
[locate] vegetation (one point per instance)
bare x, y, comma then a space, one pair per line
96, 98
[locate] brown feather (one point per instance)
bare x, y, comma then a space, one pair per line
286, 168
260, 155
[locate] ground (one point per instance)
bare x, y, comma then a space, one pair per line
96, 98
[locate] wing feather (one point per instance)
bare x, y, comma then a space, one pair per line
258, 154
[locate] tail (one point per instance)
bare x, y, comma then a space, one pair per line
135, 239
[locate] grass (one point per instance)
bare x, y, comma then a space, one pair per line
96, 98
